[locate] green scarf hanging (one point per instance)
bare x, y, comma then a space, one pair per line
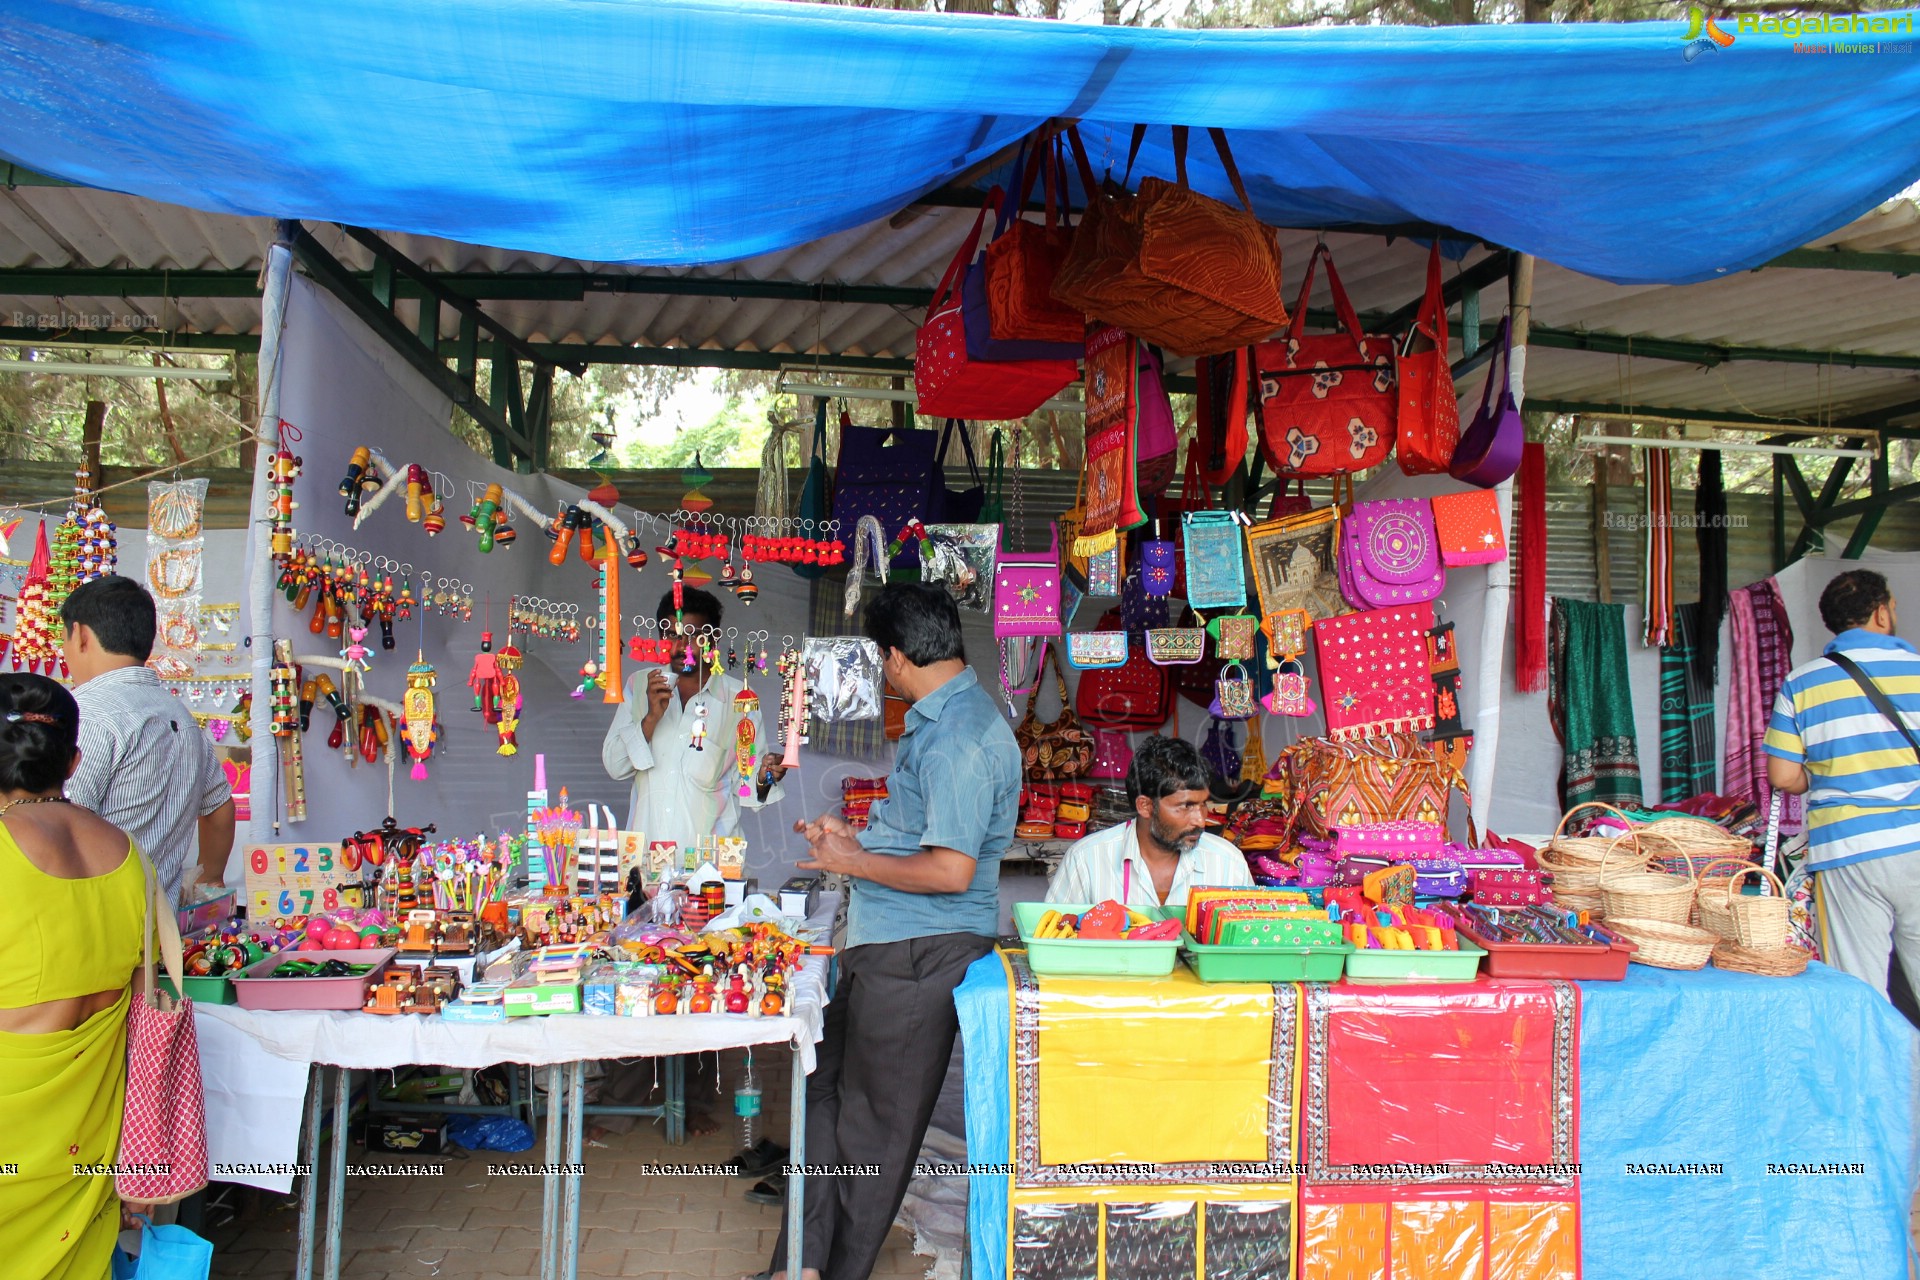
1590, 704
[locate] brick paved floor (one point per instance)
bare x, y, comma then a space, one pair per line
475, 1227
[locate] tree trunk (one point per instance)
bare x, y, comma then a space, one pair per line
90, 432
166, 414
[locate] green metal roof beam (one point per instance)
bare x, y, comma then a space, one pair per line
134, 339
1601, 409
1893, 264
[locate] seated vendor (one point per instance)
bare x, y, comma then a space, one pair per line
1153, 860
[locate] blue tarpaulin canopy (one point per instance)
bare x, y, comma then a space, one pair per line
695, 131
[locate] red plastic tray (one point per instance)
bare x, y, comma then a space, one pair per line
255, 990
1536, 960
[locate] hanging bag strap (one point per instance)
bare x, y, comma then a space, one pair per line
1342, 305
1432, 320
966, 447
1881, 702
950, 282
1498, 366
163, 923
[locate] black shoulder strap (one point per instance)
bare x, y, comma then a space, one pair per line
1881, 703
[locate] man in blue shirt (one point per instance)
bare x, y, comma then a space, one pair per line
925, 904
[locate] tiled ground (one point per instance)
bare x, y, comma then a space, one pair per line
475, 1227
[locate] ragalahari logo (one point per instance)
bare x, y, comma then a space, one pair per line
1702, 34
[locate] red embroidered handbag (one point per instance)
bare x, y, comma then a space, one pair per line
1429, 418
951, 384
1327, 403
1135, 695
1469, 527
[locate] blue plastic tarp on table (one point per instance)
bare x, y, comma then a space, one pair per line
1755, 1075
680, 132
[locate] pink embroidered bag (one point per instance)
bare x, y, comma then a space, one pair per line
1390, 554
1026, 591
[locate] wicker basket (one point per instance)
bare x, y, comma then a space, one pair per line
1664, 945
1713, 882
1756, 924
1588, 851
1648, 895
1687, 845
1780, 962
1577, 882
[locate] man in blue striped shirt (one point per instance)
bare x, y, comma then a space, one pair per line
1861, 777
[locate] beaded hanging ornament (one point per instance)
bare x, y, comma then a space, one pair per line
32, 619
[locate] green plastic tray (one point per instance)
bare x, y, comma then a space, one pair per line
203, 990
1415, 966
1063, 956
1264, 964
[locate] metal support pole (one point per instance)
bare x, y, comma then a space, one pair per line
797, 1159
675, 1100
310, 1185
337, 1171
549, 1184
576, 1122
265, 748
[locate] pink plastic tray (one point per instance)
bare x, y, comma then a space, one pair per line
257, 991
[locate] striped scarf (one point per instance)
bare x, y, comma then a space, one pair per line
1657, 582
1762, 656
1687, 760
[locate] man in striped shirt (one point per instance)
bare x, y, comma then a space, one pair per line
1861, 777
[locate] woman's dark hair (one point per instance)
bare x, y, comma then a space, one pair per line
119, 611
39, 732
1851, 598
917, 619
1162, 766
692, 600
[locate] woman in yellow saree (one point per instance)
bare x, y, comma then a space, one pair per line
72, 911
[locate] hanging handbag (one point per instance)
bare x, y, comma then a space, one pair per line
1489, 449
1291, 694
962, 557
1058, 750
163, 1132
1234, 636
1098, 572
1026, 590
950, 383
1428, 422
1233, 694
1389, 778
1468, 527
1138, 608
1158, 567
1112, 755
1220, 414
957, 506
1218, 750
1215, 559
1389, 554
1134, 695
1295, 563
816, 493
1327, 403
1373, 671
1112, 502
994, 509
1016, 277
892, 474
1178, 268
1091, 650
1156, 440
1176, 646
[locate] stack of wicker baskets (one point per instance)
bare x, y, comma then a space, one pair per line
1755, 933
1685, 845
1579, 864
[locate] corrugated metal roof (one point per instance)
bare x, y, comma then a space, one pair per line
1817, 310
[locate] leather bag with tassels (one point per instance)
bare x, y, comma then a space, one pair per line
1061, 749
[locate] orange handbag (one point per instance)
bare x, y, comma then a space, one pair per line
1172, 266
1468, 526
1025, 260
1429, 419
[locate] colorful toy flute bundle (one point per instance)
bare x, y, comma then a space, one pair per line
1372, 927
464, 875
557, 829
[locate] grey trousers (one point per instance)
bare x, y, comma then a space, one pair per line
889, 1036
1873, 912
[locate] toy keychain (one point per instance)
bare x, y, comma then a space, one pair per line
700, 726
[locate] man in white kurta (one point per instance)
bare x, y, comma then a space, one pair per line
682, 791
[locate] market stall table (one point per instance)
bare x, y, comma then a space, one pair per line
1726, 1125
237, 1043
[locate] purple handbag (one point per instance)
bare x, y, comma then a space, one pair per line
1316, 869
1390, 554
1026, 590
1439, 877
1489, 449
893, 481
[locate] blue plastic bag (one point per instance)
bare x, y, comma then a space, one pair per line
166, 1253
491, 1133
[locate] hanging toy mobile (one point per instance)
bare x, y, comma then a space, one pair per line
417, 721
589, 678
484, 678
746, 706
286, 468
485, 516
361, 477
